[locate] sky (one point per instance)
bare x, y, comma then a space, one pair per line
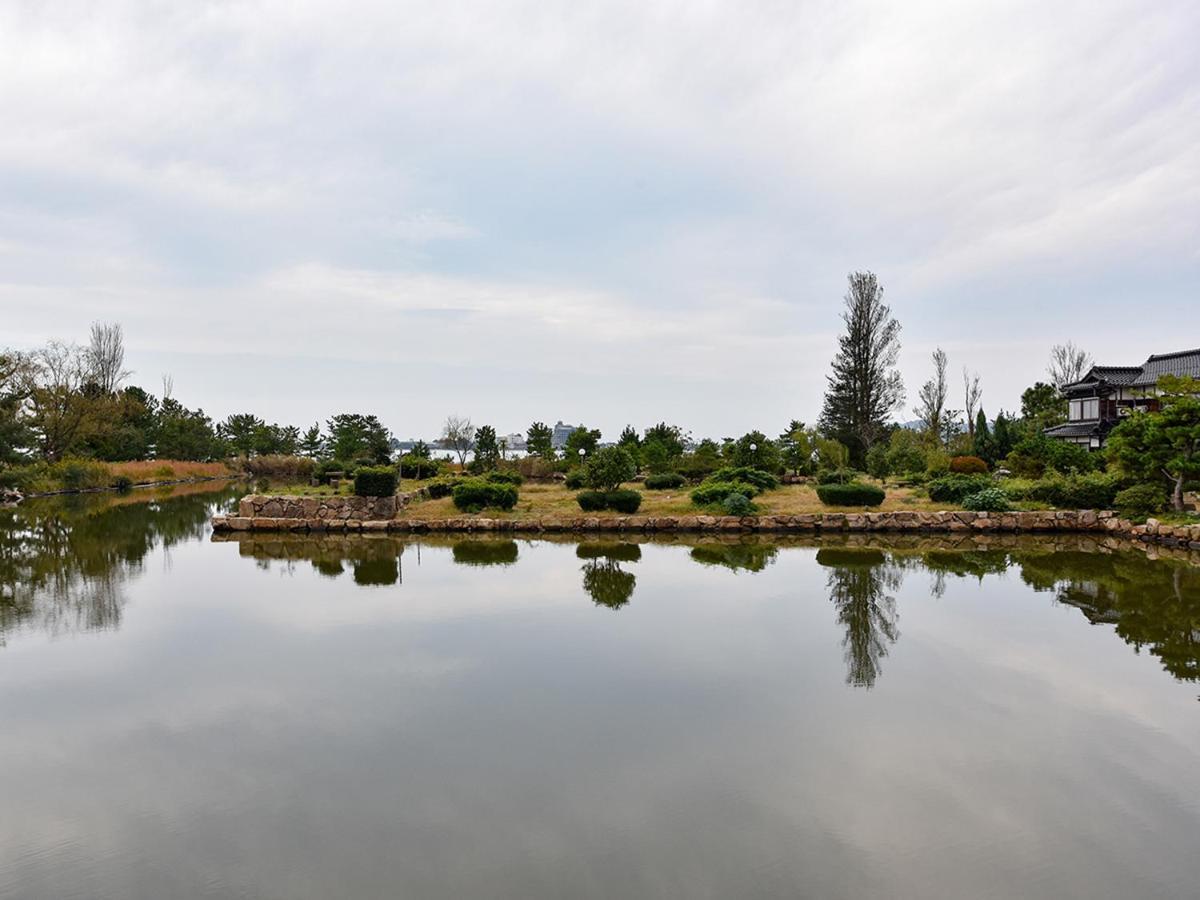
605, 213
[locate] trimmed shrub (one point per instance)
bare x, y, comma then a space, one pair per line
664, 481
953, 488
575, 480
623, 501
375, 481
991, 499
711, 493
591, 501
1141, 501
442, 487
475, 494
763, 481
836, 476
968, 465
1092, 491
853, 494
505, 476
738, 505
418, 467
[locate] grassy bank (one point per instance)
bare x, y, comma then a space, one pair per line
90, 475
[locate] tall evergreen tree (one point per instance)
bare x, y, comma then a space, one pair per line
539, 440
865, 387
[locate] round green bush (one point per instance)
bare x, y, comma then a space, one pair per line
738, 505
968, 465
591, 501
475, 494
418, 467
1141, 501
711, 493
953, 488
763, 481
375, 481
853, 494
505, 476
442, 487
991, 499
608, 468
575, 480
623, 501
664, 481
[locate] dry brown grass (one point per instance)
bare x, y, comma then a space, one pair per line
145, 470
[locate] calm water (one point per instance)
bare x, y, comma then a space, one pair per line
286, 717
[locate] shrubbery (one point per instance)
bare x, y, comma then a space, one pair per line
738, 505
327, 467
711, 493
853, 494
505, 476
575, 480
418, 467
591, 501
968, 465
608, 468
535, 467
1093, 491
375, 481
990, 499
475, 494
764, 481
442, 487
836, 476
1141, 501
954, 488
664, 481
1032, 456
122, 483
624, 501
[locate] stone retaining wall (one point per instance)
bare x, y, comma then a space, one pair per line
913, 522
260, 508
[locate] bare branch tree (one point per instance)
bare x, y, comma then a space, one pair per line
932, 396
1068, 364
58, 407
971, 394
106, 356
168, 384
459, 434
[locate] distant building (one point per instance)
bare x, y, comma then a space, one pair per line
1106, 394
558, 440
514, 441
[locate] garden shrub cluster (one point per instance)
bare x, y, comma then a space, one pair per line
853, 494
418, 467
1141, 501
836, 476
991, 499
575, 480
968, 465
505, 476
954, 488
623, 501
664, 481
709, 494
764, 481
375, 481
442, 487
1092, 491
474, 494
738, 505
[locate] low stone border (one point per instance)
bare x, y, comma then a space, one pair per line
914, 522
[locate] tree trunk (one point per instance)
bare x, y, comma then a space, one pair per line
1177, 494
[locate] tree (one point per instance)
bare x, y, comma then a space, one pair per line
1068, 364
458, 434
981, 439
1166, 443
583, 439
609, 468
864, 387
879, 462
539, 440
671, 437
183, 433
1042, 406
59, 412
631, 442
15, 382
487, 450
106, 357
756, 450
931, 398
796, 446
832, 454
907, 452
420, 450
1004, 435
239, 432
312, 444
655, 457
971, 394
356, 436
951, 427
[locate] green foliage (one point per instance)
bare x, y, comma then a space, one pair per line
956, 488
623, 501
832, 454
702, 461
185, 433
671, 437
575, 480
580, 439
665, 481
714, 492
1141, 501
443, 487
1036, 454
853, 494
312, 444
1091, 491
738, 505
475, 494
764, 456
762, 481
487, 450
878, 462
906, 452
375, 481
122, 483
282, 468
990, 499
1162, 444
539, 440
1042, 406
796, 447
505, 476
354, 435
609, 468
836, 476
591, 501
655, 457
630, 441
418, 467
968, 465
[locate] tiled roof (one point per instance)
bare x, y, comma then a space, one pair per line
1074, 429
1116, 374
1184, 363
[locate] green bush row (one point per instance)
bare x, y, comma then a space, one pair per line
375, 481
475, 494
664, 481
711, 493
853, 494
625, 501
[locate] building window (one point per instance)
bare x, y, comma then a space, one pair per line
1083, 410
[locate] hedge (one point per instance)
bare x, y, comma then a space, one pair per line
990, 499
418, 467
505, 476
764, 481
475, 494
1094, 491
738, 505
664, 481
853, 494
1141, 501
375, 481
442, 487
591, 501
953, 488
625, 501
710, 493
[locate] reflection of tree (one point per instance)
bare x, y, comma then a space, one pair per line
64, 562
485, 553
858, 582
607, 584
384, 571
617, 551
751, 557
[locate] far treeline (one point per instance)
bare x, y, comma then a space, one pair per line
65, 404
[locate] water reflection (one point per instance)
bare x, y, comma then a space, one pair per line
748, 556
859, 583
64, 562
485, 553
603, 578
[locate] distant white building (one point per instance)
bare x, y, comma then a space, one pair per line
561, 432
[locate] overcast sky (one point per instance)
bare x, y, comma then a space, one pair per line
610, 213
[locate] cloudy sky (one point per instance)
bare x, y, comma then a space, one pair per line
610, 212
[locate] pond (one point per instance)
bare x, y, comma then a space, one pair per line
281, 716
